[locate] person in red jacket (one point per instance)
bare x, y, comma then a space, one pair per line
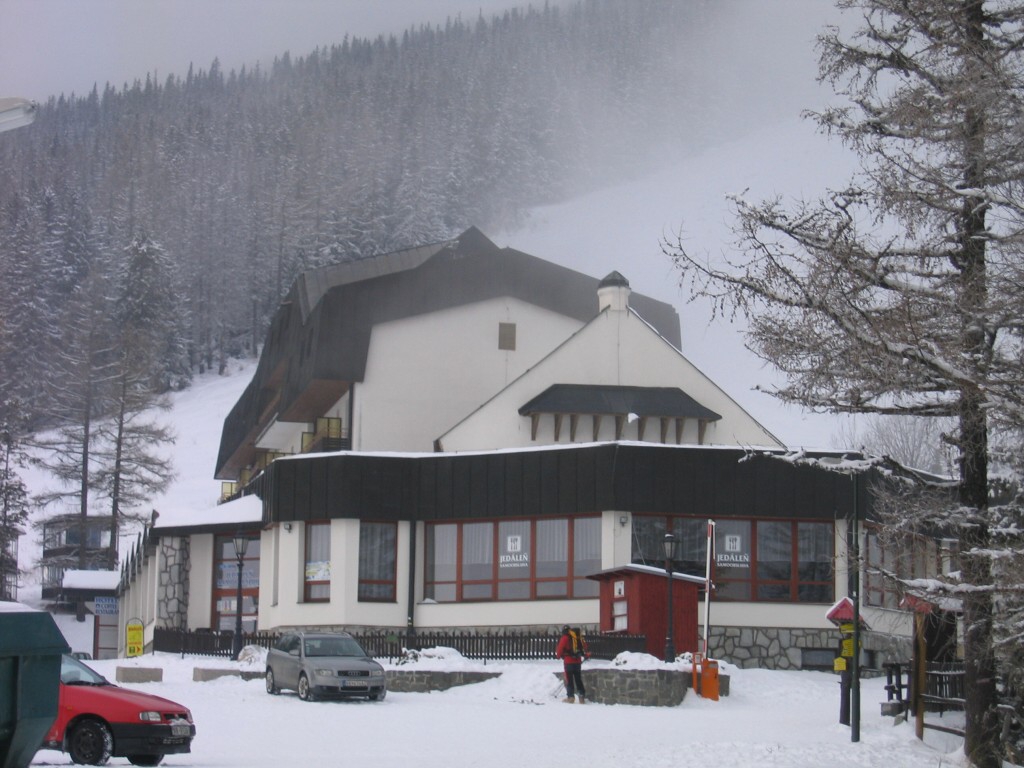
572, 650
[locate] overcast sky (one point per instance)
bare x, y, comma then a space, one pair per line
48, 47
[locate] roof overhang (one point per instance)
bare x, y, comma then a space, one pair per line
644, 402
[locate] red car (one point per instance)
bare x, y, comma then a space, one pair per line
97, 720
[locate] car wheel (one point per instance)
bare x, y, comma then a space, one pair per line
271, 686
90, 743
145, 759
379, 696
305, 693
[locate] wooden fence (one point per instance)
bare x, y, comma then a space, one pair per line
391, 644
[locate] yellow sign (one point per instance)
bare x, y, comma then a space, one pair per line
847, 648
838, 664
134, 639
846, 628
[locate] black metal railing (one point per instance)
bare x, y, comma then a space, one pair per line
205, 642
504, 646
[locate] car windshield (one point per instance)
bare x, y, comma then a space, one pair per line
74, 672
333, 646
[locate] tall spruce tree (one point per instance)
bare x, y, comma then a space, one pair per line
901, 293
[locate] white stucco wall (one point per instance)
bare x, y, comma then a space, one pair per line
139, 602
425, 373
284, 551
617, 349
200, 588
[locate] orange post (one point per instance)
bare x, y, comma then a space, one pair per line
709, 679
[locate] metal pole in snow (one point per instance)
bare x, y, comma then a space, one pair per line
707, 583
855, 691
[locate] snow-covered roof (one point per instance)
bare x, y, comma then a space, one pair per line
6, 607
651, 570
247, 509
91, 580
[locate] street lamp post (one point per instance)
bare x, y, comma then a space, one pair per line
241, 542
670, 550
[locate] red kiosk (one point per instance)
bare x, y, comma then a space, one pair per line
633, 601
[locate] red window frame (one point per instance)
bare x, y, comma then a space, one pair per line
493, 582
225, 570
309, 586
369, 585
755, 588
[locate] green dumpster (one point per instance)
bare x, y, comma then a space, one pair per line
30, 651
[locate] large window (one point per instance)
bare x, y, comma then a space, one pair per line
759, 560
378, 543
887, 564
513, 559
317, 579
225, 590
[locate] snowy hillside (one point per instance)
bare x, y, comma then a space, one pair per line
196, 416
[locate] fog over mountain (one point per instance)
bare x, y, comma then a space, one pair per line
52, 47
220, 130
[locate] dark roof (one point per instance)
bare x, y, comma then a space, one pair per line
319, 339
614, 278
556, 481
669, 402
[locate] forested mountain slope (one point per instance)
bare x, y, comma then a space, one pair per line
243, 179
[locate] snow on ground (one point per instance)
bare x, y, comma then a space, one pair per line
770, 719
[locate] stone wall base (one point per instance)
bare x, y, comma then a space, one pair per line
205, 674
421, 681
641, 687
785, 648
139, 674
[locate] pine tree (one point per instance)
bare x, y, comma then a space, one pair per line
129, 465
14, 509
900, 294
79, 389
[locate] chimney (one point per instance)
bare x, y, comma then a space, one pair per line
613, 292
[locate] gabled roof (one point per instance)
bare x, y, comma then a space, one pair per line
318, 342
669, 402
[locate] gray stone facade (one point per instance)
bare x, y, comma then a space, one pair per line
768, 647
172, 592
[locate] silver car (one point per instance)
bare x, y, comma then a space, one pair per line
322, 665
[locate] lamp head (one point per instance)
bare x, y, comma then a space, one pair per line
670, 546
